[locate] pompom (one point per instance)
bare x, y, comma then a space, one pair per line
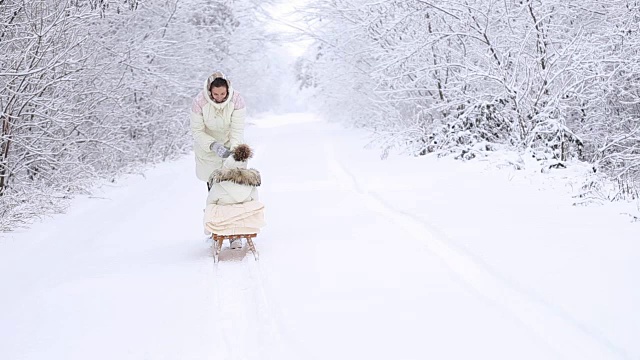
242, 152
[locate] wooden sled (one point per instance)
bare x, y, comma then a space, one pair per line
219, 239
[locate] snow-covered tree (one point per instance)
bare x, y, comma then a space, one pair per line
553, 76
91, 88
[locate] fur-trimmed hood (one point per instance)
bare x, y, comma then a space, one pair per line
249, 177
234, 168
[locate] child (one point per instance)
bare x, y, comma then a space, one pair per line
232, 204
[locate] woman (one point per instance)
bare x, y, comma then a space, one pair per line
217, 124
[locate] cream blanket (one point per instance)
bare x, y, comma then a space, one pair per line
245, 218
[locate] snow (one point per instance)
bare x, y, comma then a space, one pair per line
402, 258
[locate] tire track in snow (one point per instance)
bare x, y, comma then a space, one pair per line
249, 323
274, 317
271, 316
246, 329
570, 339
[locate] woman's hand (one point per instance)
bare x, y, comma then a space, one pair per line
220, 150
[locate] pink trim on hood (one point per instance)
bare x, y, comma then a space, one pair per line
238, 101
198, 103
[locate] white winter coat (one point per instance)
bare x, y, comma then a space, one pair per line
233, 184
232, 205
210, 121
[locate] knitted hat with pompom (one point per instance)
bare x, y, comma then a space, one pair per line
242, 153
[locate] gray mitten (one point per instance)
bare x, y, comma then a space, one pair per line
219, 149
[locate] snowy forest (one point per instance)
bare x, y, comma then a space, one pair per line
557, 79
90, 89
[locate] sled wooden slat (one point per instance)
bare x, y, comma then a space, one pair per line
219, 239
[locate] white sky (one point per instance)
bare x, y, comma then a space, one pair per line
285, 16
361, 258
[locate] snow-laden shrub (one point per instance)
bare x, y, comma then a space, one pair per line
559, 78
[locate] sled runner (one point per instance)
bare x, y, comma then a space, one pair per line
219, 239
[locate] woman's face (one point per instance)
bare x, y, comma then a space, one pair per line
219, 94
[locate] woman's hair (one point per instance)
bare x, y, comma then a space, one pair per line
219, 82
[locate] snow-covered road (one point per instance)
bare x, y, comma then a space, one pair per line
349, 269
